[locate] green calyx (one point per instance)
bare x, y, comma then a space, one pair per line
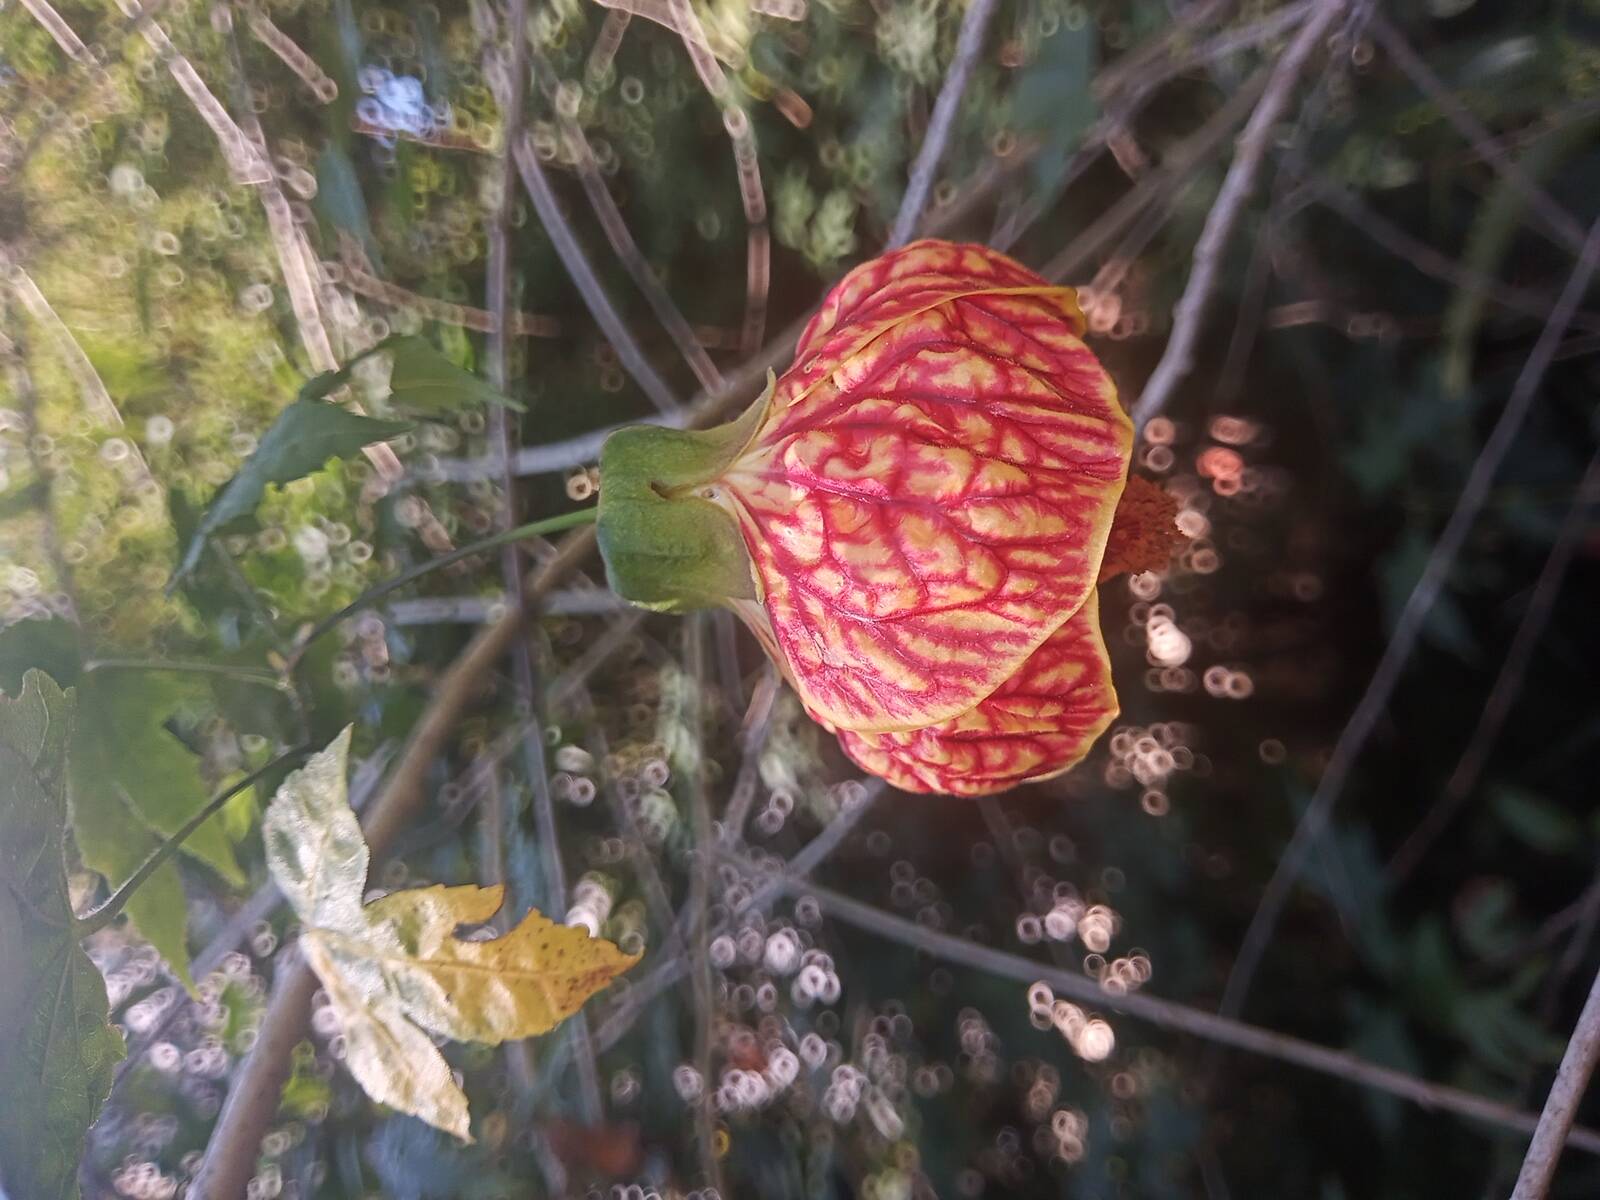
666, 547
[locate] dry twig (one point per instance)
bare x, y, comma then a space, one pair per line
1561, 1106
513, 93
1188, 318
973, 26
1177, 1017
629, 354
1407, 629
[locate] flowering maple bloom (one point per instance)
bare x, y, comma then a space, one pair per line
907, 515
1038, 723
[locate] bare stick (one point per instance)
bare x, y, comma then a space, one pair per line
1508, 683
513, 94
1005, 844
1126, 92
1186, 158
628, 252
705, 1118
1424, 258
752, 741
537, 460
973, 26
292, 56
96, 399
656, 895
1561, 1106
372, 595
1188, 318
1146, 59
95, 396
573, 257
60, 32
1167, 1014
358, 277
245, 150
1407, 629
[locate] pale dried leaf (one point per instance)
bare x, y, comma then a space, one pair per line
395, 970
393, 1060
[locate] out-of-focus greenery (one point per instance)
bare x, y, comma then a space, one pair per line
1345, 384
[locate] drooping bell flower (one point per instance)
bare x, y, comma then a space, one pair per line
1040, 722
905, 517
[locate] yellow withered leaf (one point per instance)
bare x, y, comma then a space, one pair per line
396, 972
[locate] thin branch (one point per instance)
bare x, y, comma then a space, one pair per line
1407, 629
1159, 184
513, 94
318, 81
355, 272
1005, 844
1424, 258
1566, 228
627, 250
752, 741
91, 72
297, 263
1128, 90
1188, 318
576, 260
702, 977
657, 898
244, 159
60, 32
543, 459
1508, 684
1561, 1106
96, 399
1167, 1014
617, 634
581, 516
970, 40
1158, 51
111, 908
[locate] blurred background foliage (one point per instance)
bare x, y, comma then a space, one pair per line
167, 289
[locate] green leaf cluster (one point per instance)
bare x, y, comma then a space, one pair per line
57, 1047
131, 782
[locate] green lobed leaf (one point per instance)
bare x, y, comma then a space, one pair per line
134, 784
131, 782
58, 1049
423, 380
305, 436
